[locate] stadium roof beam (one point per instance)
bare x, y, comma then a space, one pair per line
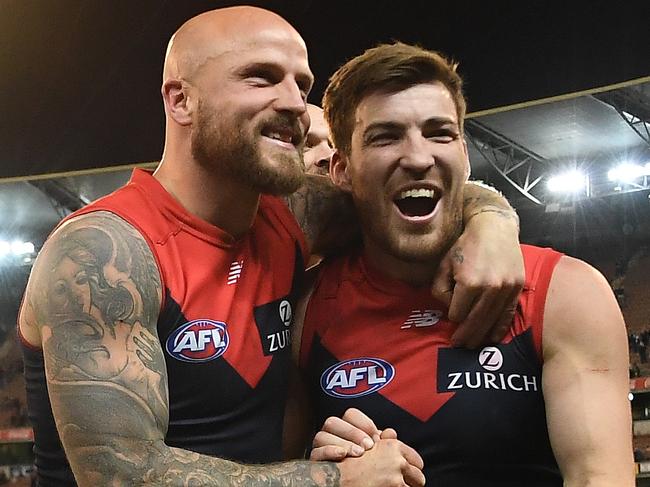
521, 167
633, 105
64, 200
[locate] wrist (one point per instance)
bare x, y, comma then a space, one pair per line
506, 219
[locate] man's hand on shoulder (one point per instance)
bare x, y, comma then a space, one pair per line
483, 273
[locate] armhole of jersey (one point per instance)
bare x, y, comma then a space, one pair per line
86, 211
306, 332
541, 279
326, 288
283, 215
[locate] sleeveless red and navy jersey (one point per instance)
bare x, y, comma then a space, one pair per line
224, 322
477, 417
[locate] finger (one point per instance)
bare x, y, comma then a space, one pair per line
411, 456
331, 453
413, 476
462, 300
358, 419
323, 438
443, 284
388, 434
476, 328
507, 317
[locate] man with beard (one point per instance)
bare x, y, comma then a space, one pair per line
318, 148
552, 393
156, 320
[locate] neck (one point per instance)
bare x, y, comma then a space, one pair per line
226, 204
415, 273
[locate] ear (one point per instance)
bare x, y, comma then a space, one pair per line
339, 171
178, 105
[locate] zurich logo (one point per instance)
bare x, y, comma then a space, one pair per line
490, 358
356, 377
198, 341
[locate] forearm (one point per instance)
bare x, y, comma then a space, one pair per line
479, 198
326, 215
122, 461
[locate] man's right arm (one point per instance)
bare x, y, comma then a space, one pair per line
94, 296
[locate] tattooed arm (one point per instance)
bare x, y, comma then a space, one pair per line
326, 215
483, 273
481, 276
93, 298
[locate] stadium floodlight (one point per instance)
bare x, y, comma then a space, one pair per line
568, 182
5, 248
628, 172
16, 247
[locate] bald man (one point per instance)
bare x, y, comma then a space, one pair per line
318, 148
156, 321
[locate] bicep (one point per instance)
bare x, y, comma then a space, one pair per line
585, 377
94, 294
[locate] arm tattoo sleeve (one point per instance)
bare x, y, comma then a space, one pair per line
481, 198
95, 294
326, 215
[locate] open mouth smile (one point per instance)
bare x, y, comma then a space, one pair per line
417, 204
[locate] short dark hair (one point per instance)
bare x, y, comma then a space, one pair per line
386, 68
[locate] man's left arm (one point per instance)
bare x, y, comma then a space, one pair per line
481, 276
585, 379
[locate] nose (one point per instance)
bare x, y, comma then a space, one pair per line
317, 158
290, 98
417, 155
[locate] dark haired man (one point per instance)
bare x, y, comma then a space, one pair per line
547, 406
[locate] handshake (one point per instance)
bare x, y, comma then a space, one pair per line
366, 455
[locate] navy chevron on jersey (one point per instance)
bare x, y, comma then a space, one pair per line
477, 417
223, 325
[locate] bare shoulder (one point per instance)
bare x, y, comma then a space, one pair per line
580, 309
96, 264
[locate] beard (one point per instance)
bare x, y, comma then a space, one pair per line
226, 147
427, 247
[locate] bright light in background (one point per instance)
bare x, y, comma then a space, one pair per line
568, 182
628, 172
16, 247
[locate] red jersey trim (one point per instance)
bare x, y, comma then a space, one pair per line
538, 279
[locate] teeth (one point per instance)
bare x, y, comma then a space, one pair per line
278, 136
417, 193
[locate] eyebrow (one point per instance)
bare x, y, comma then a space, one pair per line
387, 125
306, 78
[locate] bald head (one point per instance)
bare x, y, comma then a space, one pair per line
234, 87
217, 32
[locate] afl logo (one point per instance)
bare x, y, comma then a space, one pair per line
198, 341
357, 377
490, 358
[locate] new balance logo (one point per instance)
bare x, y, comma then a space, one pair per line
235, 271
419, 318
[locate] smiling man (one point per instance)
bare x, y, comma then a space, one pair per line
547, 406
156, 321
318, 148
